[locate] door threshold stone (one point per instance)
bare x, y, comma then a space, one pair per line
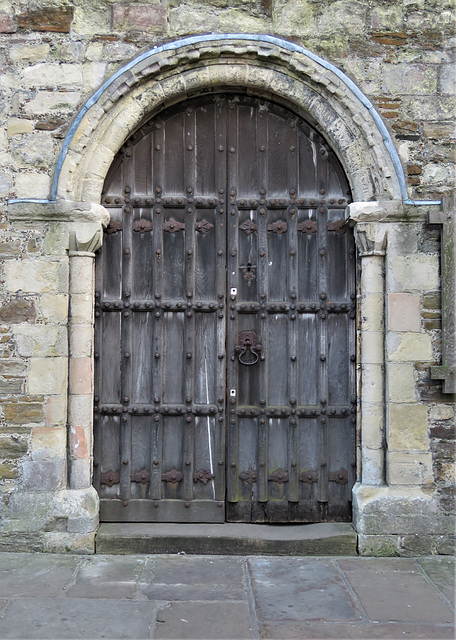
323, 539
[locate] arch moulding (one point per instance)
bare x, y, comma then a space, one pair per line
259, 65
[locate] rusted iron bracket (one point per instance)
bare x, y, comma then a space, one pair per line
203, 226
308, 476
447, 371
142, 226
249, 476
203, 476
340, 476
280, 476
280, 226
172, 476
308, 226
110, 478
248, 227
172, 226
142, 476
338, 226
113, 227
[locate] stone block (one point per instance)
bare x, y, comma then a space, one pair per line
409, 347
18, 126
93, 74
371, 311
52, 102
23, 411
12, 367
81, 274
439, 130
35, 150
12, 447
372, 466
80, 376
417, 79
48, 443
81, 307
41, 340
373, 425
441, 412
44, 75
32, 185
418, 272
447, 80
78, 442
372, 383
53, 308
408, 427
371, 347
11, 385
138, 17
18, 310
80, 410
35, 52
414, 468
33, 276
55, 19
81, 337
80, 474
48, 375
56, 410
8, 471
404, 312
44, 475
401, 383
7, 23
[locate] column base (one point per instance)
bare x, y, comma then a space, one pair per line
401, 521
50, 521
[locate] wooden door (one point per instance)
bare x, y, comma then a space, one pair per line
225, 313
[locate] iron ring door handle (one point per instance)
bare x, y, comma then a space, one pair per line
248, 342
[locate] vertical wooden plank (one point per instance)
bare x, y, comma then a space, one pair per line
172, 155
126, 360
205, 168
220, 143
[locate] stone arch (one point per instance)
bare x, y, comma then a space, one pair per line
260, 65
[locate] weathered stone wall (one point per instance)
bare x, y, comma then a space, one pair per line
53, 56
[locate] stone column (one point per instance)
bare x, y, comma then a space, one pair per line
83, 243
370, 241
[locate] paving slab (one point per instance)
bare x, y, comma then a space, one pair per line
193, 578
74, 618
441, 570
360, 631
395, 591
300, 589
24, 574
204, 621
336, 538
105, 577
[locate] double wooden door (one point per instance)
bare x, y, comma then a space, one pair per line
225, 332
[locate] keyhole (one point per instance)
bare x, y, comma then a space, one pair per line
249, 266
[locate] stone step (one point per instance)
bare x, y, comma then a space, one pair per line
325, 539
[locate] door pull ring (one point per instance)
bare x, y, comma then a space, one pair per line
248, 343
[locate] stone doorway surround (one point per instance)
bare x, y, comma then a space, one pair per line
393, 498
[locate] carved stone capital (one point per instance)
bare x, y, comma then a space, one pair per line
370, 238
85, 238
57, 211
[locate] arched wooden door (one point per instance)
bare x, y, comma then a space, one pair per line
225, 333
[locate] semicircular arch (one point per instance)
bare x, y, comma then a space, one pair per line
261, 66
